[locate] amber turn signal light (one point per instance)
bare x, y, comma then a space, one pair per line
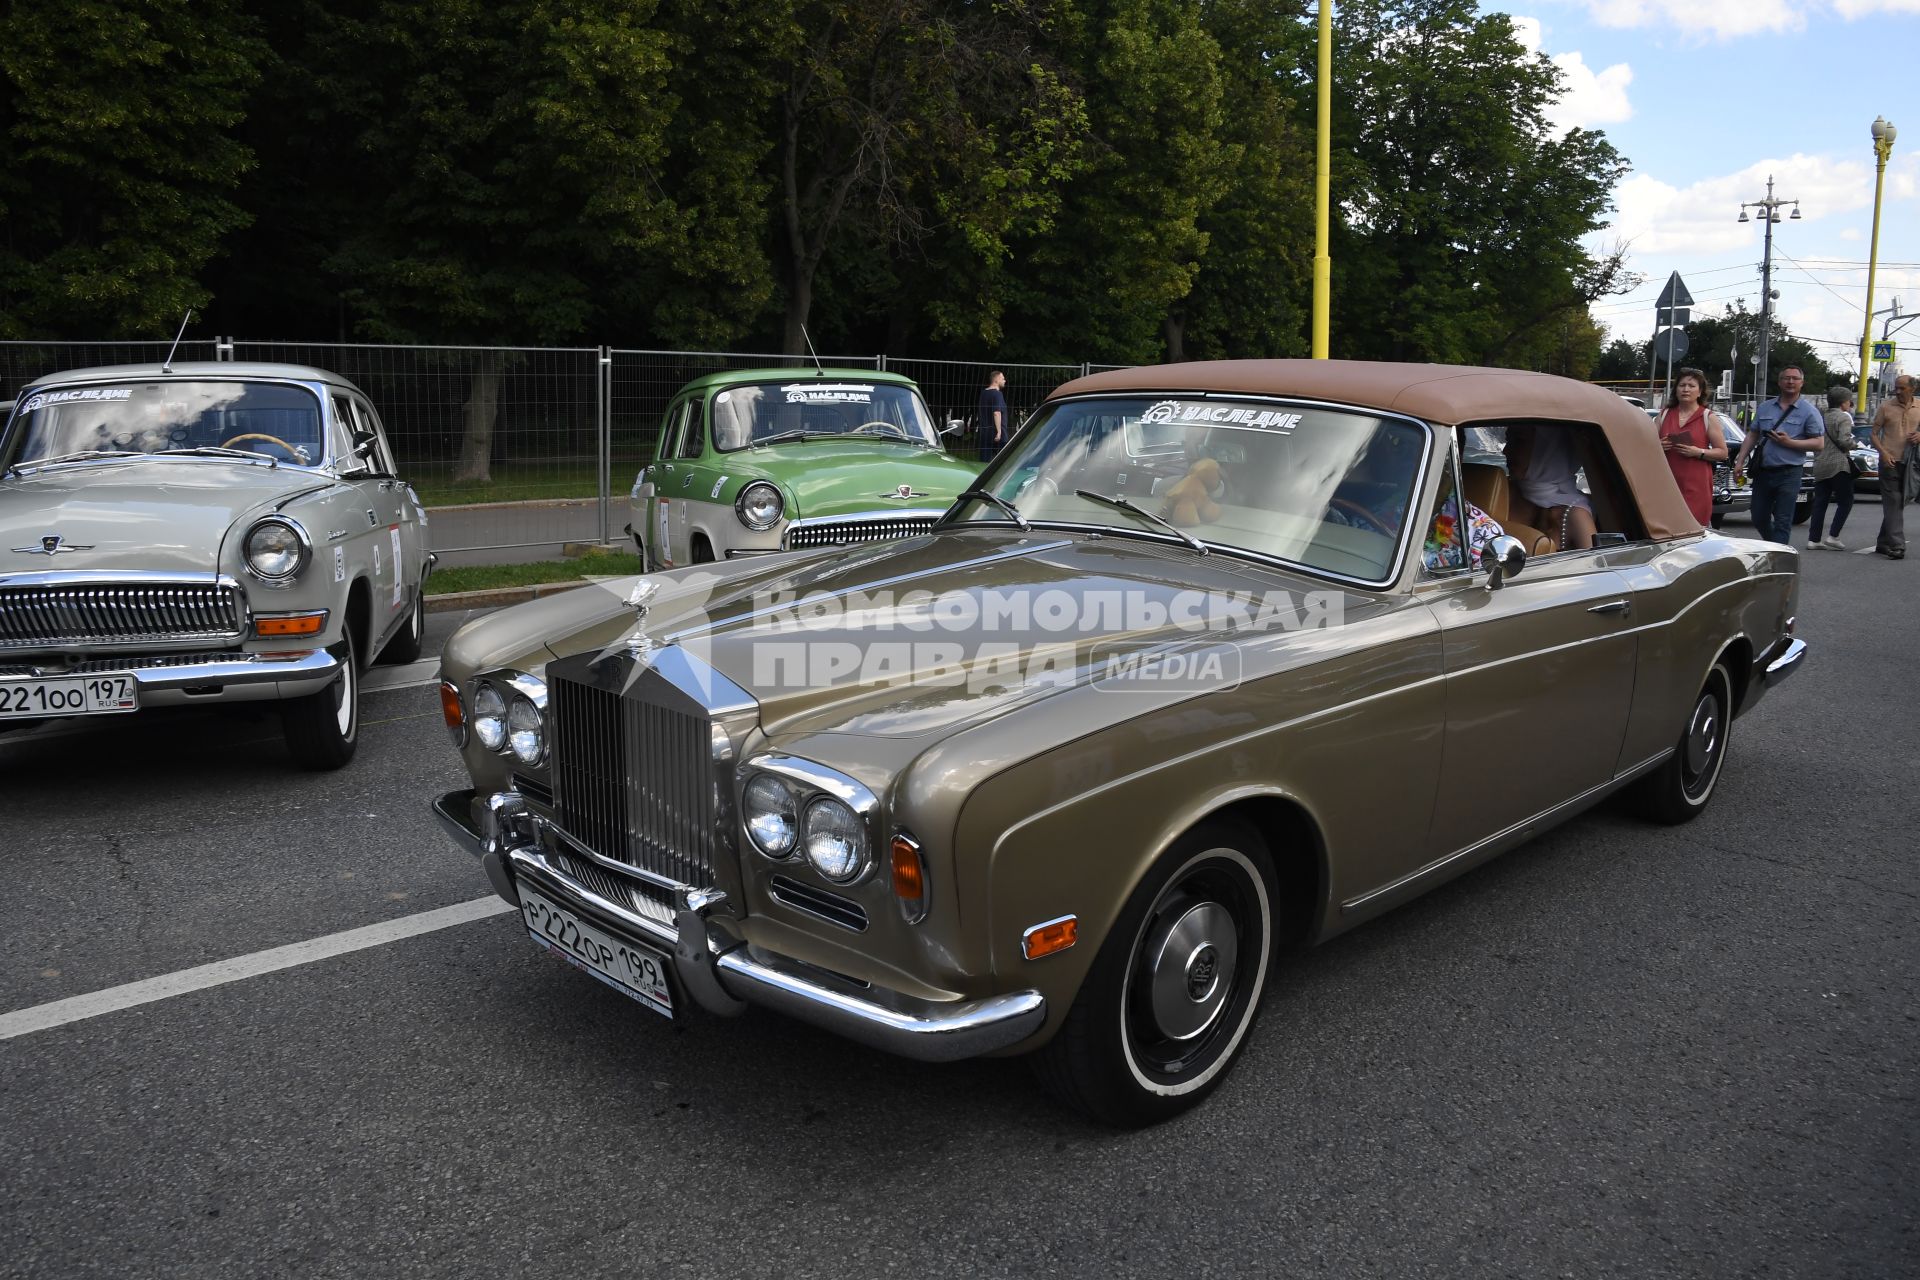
451, 709
290, 624
1050, 936
909, 878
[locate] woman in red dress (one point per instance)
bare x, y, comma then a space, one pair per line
1693, 442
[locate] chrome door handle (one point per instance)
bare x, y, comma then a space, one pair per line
1622, 607
687, 481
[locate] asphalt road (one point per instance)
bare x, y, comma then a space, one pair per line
1621, 1050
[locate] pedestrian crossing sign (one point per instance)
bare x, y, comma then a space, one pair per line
1883, 352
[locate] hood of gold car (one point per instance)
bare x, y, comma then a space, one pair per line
927, 634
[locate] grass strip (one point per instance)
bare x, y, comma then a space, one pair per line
490, 577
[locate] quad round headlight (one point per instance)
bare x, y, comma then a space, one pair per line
489, 717
772, 815
759, 505
836, 840
276, 548
526, 735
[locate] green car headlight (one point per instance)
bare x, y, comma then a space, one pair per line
759, 505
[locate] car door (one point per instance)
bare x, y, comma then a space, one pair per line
1540, 679
692, 477
406, 548
657, 487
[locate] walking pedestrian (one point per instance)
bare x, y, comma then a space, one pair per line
1691, 437
1833, 471
1896, 434
992, 424
1785, 429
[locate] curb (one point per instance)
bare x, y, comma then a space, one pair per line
501, 597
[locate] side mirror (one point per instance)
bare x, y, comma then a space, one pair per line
363, 443
1502, 558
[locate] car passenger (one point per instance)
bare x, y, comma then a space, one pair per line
1542, 464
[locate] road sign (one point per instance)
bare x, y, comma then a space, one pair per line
1670, 344
1675, 294
1672, 315
1726, 384
1883, 352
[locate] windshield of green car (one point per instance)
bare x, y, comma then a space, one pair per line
274, 420
1328, 489
805, 408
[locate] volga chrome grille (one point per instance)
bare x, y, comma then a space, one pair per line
58, 615
633, 781
833, 533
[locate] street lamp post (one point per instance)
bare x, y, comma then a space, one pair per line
1882, 149
1322, 186
1769, 213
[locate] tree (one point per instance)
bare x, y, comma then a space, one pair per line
1462, 214
902, 120
1712, 342
118, 117
1622, 361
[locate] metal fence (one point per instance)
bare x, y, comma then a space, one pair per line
523, 449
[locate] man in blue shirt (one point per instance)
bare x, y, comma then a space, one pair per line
1785, 430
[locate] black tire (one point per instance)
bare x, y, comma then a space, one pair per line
1802, 508
1719, 519
701, 552
1679, 789
1144, 1042
406, 642
322, 729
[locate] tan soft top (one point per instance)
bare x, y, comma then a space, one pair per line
1445, 395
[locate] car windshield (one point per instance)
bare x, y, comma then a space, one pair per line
1329, 489
272, 419
806, 407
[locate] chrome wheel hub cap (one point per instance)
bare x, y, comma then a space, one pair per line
1190, 970
1703, 736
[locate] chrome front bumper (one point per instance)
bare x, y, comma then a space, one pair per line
1782, 660
178, 679
723, 974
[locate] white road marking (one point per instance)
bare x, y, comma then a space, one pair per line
58, 1013
411, 676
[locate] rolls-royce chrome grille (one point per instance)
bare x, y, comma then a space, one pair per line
633, 781
44, 616
834, 533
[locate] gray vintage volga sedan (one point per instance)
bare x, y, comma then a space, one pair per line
203, 533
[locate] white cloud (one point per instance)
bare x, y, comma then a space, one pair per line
1852, 233
1729, 19
1703, 218
1589, 97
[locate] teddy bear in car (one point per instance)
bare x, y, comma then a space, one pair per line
1190, 500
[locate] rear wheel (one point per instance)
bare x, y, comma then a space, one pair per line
701, 552
322, 729
405, 645
1167, 1005
1678, 790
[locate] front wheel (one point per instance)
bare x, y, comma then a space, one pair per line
322, 729
1167, 1005
1678, 789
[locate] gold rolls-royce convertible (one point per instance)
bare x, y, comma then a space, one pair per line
1212, 661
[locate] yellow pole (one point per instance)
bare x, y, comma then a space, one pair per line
1322, 185
1882, 148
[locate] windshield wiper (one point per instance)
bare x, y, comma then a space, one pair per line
785, 436
21, 469
1012, 511
1144, 514
215, 451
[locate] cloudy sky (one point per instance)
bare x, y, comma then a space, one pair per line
1709, 97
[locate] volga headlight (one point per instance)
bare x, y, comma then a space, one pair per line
276, 548
759, 505
836, 840
526, 733
489, 717
772, 815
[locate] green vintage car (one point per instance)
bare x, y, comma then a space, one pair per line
1223, 658
758, 460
